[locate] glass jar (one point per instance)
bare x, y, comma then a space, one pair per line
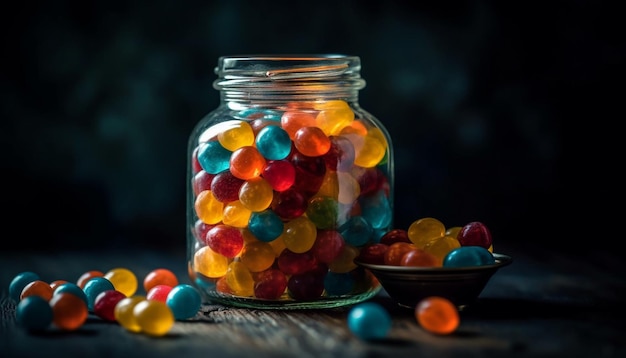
288, 178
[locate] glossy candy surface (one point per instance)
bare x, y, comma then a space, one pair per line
475, 234
104, 305
468, 256
184, 301
33, 313
159, 293
123, 279
153, 317
124, 314
369, 321
159, 276
69, 310
437, 315
37, 288
88, 275
94, 287
289, 212
19, 282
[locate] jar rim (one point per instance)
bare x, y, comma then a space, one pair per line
287, 66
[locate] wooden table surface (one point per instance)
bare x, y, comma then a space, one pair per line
544, 304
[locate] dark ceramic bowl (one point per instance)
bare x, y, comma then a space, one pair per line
461, 285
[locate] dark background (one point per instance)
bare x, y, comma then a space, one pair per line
499, 112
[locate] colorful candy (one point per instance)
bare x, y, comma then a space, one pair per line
33, 313
184, 301
427, 243
123, 279
369, 321
19, 282
153, 317
159, 276
314, 181
104, 304
69, 310
69, 305
437, 315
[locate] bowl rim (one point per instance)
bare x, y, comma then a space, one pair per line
501, 260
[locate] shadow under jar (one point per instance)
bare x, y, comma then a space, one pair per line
288, 178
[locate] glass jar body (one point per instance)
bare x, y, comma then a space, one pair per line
288, 179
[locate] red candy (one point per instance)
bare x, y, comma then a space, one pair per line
104, 305
475, 234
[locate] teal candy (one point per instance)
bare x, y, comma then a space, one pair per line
337, 284
34, 313
261, 113
465, 256
71, 288
213, 157
369, 321
265, 225
356, 231
376, 209
273, 143
94, 287
184, 301
19, 282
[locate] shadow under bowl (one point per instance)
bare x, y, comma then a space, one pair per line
408, 285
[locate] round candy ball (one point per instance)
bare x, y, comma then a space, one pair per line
184, 301
369, 321
33, 313
466, 256
437, 315
19, 282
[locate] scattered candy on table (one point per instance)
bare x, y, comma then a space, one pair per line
110, 296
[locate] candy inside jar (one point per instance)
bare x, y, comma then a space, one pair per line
288, 180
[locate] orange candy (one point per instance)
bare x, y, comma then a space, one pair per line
419, 258
69, 311
437, 315
395, 252
82, 280
37, 288
160, 276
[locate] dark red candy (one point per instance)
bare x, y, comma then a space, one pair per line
475, 234
328, 245
202, 181
289, 204
373, 253
292, 263
306, 286
225, 186
270, 284
395, 235
310, 173
104, 305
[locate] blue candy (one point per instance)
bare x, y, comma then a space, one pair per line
19, 282
184, 301
34, 313
273, 143
369, 321
71, 288
94, 287
465, 256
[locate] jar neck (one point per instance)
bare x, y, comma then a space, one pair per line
267, 80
